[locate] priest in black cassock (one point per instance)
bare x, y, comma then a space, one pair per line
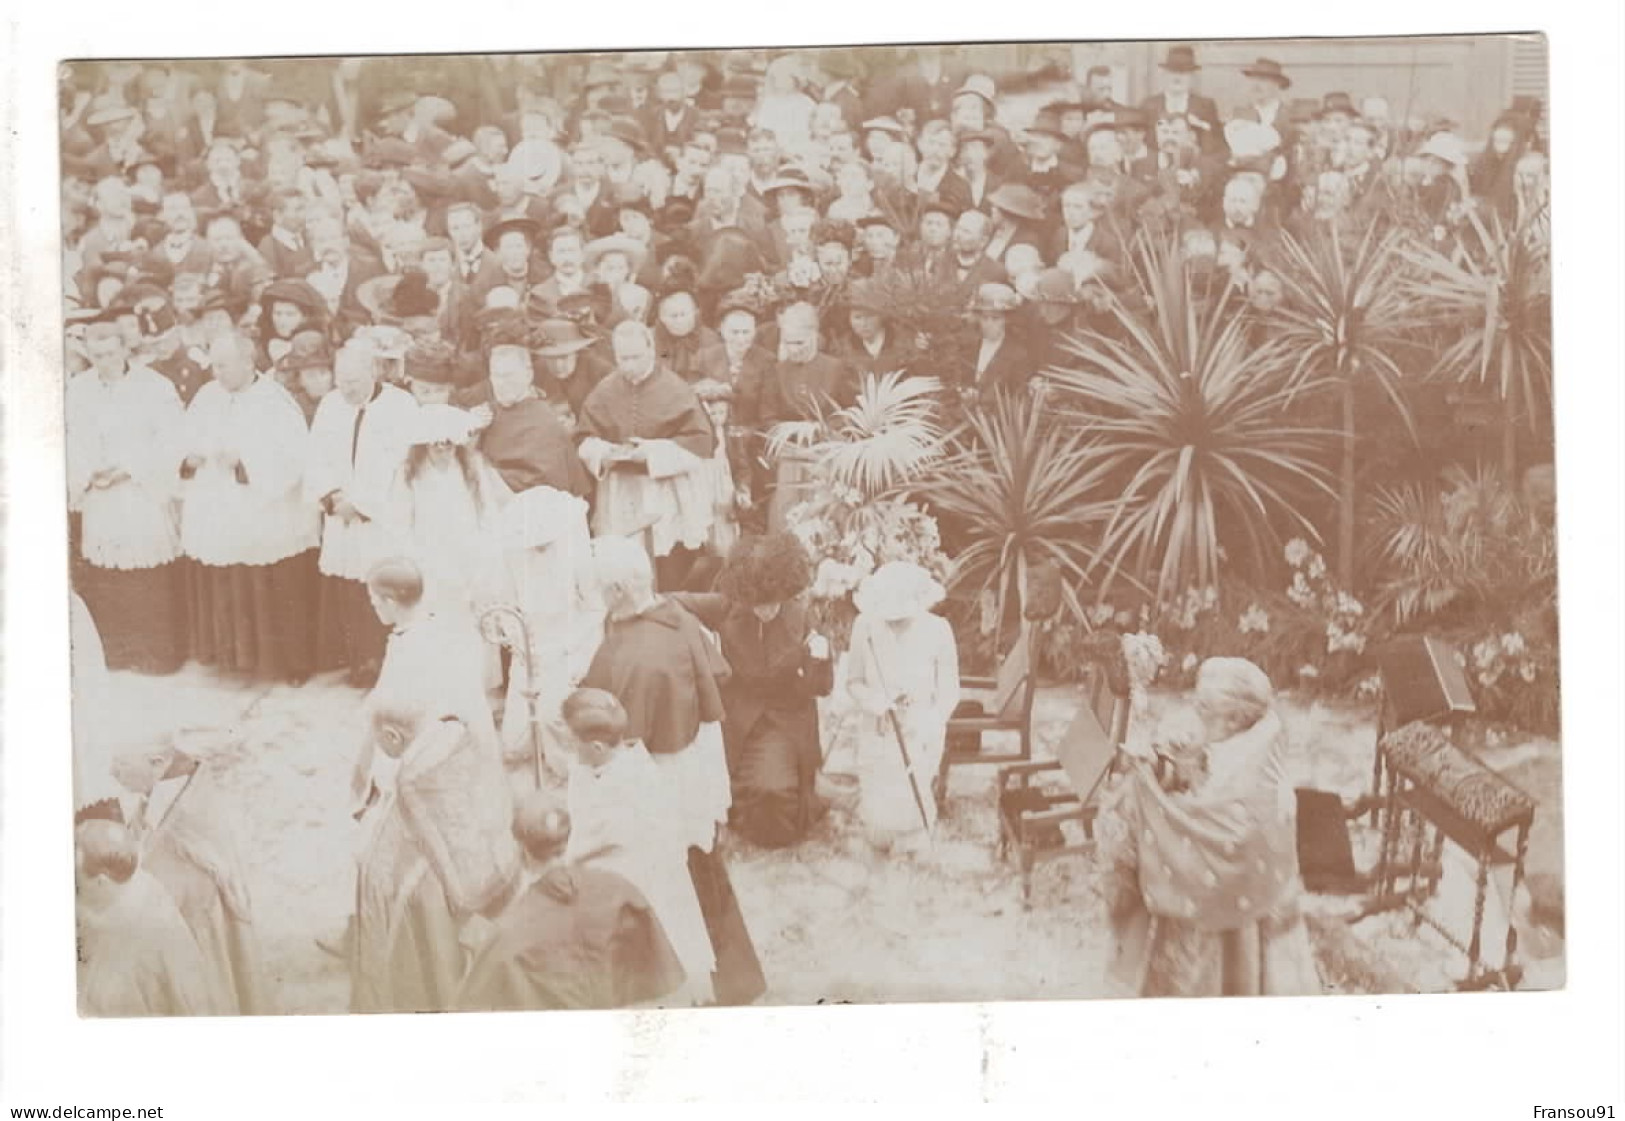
667, 671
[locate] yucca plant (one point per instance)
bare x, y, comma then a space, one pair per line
1493, 291
876, 445
1471, 550
1019, 492
1188, 422
1347, 324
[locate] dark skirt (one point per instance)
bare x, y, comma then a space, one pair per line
255, 619
774, 778
738, 979
350, 635
140, 615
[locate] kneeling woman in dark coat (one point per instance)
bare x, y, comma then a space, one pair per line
780, 668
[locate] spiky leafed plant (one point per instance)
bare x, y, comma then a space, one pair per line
1019, 491
1188, 416
1346, 323
1471, 549
1492, 289
876, 445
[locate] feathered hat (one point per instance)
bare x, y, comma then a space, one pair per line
772, 568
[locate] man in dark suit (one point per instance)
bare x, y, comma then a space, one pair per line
1180, 99
1087, 225
968, 265
340, 272
670, 120
284, 248
1002, 363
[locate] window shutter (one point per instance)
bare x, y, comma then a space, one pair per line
1529, 72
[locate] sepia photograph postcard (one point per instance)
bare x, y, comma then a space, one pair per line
713, 527
706, 529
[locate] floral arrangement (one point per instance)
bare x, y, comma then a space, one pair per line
1514, 679
849, 537
1144, 657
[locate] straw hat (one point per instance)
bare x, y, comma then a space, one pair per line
898, 590
636, 251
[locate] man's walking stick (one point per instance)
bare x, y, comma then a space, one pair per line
897, 732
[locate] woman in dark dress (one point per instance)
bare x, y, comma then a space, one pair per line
780, 667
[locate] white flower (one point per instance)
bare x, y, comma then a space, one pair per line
1317, 567
1255, 618
1348, 605
1527, 671
1101, 614
1123, 619
1297, 552
1308, 671
834, 579
1189, 664
1512, 644
1300, 593
1370, 688
1484, 653
1210, 597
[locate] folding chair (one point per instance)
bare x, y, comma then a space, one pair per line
1040, 802
1009, 708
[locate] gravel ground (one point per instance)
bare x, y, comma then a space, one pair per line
831, 921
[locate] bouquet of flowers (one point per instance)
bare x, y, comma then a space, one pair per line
849, 537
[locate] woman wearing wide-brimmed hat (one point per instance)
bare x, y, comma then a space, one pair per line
903, 672
287, 308
445, 513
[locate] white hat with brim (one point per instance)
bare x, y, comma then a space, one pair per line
542, 516
898, 590
110, 114
997, 299
442, 424
1447, 147
636, 251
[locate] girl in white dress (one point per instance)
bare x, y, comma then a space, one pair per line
446, 517
903, 672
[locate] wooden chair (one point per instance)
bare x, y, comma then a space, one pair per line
1041, 803
1008, 708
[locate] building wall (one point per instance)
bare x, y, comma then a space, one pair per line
1467, 79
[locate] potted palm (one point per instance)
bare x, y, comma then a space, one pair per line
1347, 324
1492, 291
1187, 419
1023, 495
856, 515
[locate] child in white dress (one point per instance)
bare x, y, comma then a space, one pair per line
903, 672
624, 818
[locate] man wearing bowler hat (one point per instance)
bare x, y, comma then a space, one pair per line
1178, 98
569, 368
1018, 213
1045, 171
1267, 86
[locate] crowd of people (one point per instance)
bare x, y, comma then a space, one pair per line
362, 350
